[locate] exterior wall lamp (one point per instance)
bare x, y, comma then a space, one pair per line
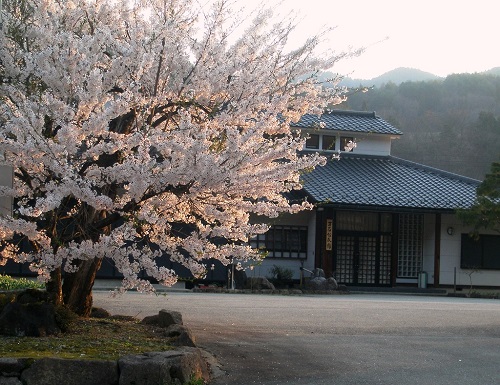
450, 230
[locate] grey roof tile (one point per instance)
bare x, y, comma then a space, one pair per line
387, 181
352, 121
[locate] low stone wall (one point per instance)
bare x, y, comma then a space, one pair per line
175, 367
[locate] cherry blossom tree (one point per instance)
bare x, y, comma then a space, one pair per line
124, 119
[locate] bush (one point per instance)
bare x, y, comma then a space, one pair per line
6, 298
280, 275
9, 283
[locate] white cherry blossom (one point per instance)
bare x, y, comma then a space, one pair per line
123, 120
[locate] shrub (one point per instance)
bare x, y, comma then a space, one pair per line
280, 275
9, 283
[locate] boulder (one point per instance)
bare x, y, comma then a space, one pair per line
318, 273
169, 317
10, 381
150, 320
29, 319
98, 312
322, 284
33, 296
50, 371
164, 318
170, 367
10, 367
180, 335
259, 283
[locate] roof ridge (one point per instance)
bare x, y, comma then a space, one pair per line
330, 111
434, 169
347, 120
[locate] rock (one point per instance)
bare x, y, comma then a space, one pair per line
10, 381
181, 335
10, 367
169, 317
170, 367
259, 283
164, 318
343, 288
29, 319
318, 273
98, 312
322, 284
151, 320
332, 284
33, 296
50, 371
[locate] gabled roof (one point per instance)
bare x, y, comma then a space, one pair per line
352, 121
388, 182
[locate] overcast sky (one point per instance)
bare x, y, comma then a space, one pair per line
437, 36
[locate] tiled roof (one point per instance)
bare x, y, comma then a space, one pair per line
352, 121
388, 182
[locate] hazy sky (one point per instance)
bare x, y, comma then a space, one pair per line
437, 36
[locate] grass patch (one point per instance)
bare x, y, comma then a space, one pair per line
90, 338
9, 283
84, 338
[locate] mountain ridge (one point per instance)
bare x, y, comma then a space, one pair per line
400, 75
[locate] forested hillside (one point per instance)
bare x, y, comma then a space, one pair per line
452, 124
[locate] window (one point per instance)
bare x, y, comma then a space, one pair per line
345, 141
481, 253
357, 221
283, 242
411, 229
312, 141
328, 143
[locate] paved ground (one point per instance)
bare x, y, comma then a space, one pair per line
336, 340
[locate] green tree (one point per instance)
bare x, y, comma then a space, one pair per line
485, 213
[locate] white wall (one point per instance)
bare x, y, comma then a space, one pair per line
366, 144
373, 145
305, 218
428, 247
450, 255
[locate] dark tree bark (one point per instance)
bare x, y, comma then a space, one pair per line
77, 287
54, 287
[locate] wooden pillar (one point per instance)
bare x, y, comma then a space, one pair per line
437, 250
324, 239
394, 249
320, 230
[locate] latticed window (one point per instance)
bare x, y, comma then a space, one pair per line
411, 229
283, 242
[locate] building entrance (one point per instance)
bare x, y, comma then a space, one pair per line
361, 259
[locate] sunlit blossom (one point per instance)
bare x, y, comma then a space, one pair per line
138, 130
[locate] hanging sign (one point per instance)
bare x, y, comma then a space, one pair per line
329, 234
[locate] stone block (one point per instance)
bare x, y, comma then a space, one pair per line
169, 317
10, 381
12, 366
170, 367
181, 335
28, 319
50, 371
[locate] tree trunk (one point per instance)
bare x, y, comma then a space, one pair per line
54, 287
77, 287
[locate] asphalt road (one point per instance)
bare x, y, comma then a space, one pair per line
336, 339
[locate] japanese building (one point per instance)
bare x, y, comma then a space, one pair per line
378, 220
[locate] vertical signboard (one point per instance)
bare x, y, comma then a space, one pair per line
329, 235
